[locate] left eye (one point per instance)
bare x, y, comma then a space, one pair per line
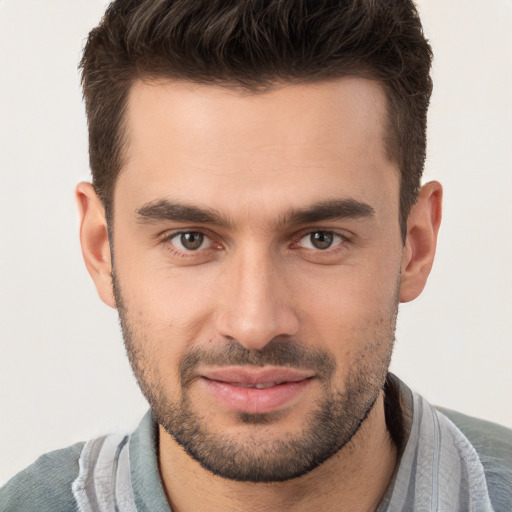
190, 241
320, 240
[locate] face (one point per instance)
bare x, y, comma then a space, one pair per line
257, 264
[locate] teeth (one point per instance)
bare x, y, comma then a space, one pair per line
265, 385
262, 385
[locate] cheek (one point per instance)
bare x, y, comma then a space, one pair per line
349, 296
353, 312
169, 308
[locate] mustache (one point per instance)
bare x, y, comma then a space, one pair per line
277, 352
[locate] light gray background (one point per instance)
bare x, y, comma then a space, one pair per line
63, 372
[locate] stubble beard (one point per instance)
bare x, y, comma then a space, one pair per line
327, 428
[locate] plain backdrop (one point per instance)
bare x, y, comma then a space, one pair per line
63, 372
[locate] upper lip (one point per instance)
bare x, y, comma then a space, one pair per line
251, 376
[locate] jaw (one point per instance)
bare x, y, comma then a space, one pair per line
365, 463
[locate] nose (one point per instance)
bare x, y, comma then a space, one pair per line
254, 302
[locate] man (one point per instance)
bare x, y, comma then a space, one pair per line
256, 216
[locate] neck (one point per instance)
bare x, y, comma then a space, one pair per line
354, 479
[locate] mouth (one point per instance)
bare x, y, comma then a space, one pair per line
256, 390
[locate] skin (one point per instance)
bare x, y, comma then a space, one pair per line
258, 278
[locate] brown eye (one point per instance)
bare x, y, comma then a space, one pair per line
189, 241
320, 240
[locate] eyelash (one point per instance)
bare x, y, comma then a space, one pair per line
344, 239
166, 241
167, 238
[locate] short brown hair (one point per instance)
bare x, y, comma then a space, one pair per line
253, 44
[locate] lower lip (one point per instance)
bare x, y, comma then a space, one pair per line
256, 401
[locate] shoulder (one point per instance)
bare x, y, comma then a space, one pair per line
45, 485
493, 444
490, 440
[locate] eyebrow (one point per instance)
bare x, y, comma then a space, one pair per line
164, 210
337, 209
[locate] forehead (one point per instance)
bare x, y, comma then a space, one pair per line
292, 144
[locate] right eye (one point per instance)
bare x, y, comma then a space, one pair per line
190, 241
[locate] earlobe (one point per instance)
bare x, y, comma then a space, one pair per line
420, 245
94, 241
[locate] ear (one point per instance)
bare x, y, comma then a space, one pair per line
420, 245
94, 241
